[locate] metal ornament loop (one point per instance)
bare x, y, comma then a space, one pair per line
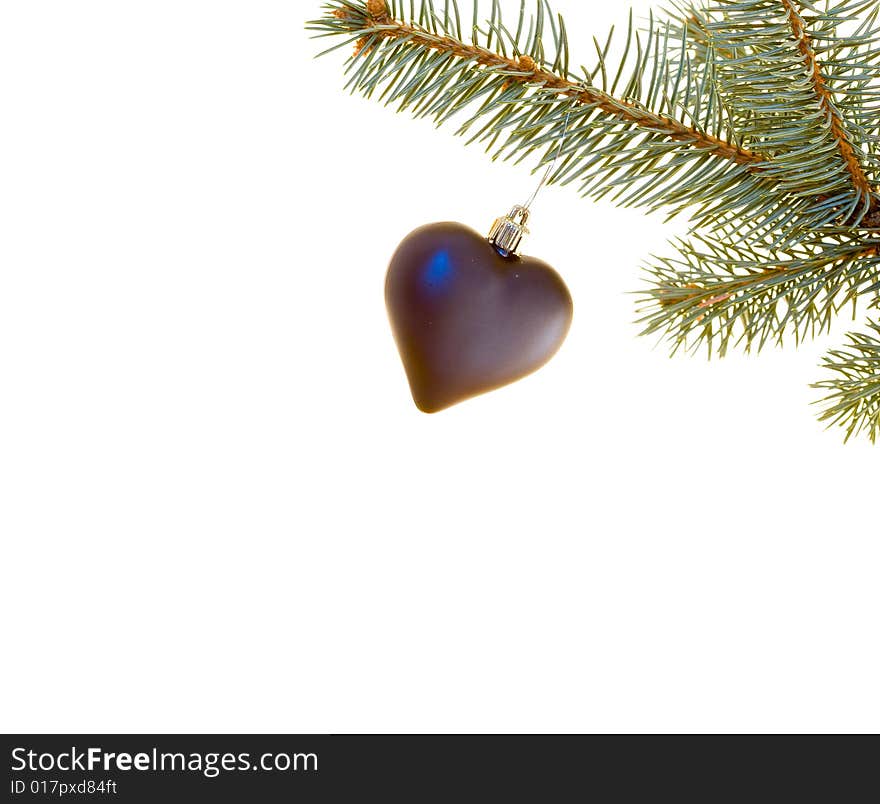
508, 231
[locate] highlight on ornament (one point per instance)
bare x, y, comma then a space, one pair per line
758, 120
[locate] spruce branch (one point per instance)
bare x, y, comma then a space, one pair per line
716, 293
785, 101
826, 102
653, 132
759, 119
525, 71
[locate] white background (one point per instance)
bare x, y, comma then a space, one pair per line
220, 510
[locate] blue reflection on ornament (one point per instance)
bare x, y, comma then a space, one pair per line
439, 270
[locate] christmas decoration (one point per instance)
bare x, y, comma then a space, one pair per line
760, 119
468, 313
470, 316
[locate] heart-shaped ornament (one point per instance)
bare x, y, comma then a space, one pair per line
468, 317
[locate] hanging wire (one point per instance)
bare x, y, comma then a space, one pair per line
552, 166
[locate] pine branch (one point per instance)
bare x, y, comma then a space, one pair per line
783, 105
853, 400
526, 71
826, 101
659, 138
455, 72
718, 294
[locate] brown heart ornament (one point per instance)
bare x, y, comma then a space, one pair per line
469, 315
